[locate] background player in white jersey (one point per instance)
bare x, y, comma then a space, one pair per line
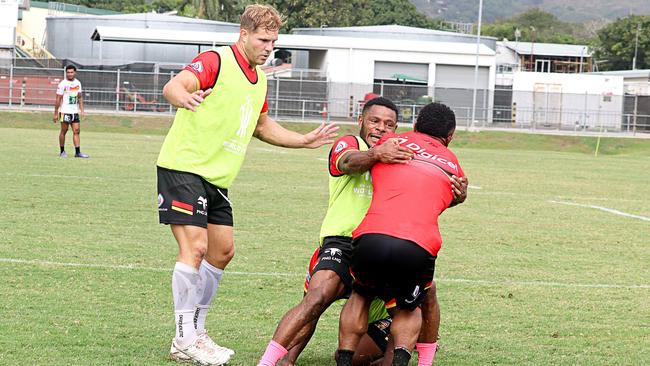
69, 105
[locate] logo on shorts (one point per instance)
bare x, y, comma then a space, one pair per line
415, 294
342, 145
333, 251
202, 201
161, 199
198, 66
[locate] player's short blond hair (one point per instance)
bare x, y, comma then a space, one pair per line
261, 16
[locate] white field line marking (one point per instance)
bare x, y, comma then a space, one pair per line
129, 266
610, 210
78, 177
474, 187
279, 274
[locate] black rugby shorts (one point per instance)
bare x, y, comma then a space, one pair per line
335, 255
393, 269
187, 199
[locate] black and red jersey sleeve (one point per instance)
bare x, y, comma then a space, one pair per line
205, 67
342, 145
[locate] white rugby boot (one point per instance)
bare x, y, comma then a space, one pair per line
206, 338
176, 355
201, 353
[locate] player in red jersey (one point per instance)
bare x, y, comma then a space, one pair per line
396, 244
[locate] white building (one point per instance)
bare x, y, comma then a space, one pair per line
567, 100
407, 67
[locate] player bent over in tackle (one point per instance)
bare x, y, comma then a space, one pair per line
350, 194
396, 244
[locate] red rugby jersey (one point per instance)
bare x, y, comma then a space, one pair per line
206, 68
408, 198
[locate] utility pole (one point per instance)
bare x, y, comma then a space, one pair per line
636, 45
478, 44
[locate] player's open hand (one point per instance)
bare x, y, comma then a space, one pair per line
459, 189
192, 100
323, 135
391, 152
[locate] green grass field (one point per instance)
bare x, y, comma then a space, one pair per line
531, 272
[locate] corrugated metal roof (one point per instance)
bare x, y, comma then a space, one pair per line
395, 31
392, 28
289, 41
153, 17
627, 73
549, 49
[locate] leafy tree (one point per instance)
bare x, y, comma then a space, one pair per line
616, 43
345, 13
205, 9
127, 6
534, 25
300, 13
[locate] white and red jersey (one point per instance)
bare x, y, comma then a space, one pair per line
71, 92
408, 198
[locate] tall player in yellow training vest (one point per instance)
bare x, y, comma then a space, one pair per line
221, 100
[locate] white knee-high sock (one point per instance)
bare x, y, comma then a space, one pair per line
210, 277
184, 283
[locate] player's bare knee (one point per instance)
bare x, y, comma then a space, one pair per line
432, 290
199, 251
228, 254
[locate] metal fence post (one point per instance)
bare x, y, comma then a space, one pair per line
22, 93
636, 105
11, 84
117, 92
303, 109
277, 96
413, 114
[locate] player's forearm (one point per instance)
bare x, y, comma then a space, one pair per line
357, 162
173, 91
280, 136
273, 133
57, 104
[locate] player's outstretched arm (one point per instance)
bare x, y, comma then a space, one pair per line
390, 152
269, 131
458, 189
182, 91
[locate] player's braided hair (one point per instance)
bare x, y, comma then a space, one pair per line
384, 102
436, 119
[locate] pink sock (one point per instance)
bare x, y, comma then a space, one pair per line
426, 353
274, 352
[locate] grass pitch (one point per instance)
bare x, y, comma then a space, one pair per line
533, 269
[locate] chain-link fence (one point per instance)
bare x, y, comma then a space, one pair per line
308, 96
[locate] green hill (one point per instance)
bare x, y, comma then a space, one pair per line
570, 11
